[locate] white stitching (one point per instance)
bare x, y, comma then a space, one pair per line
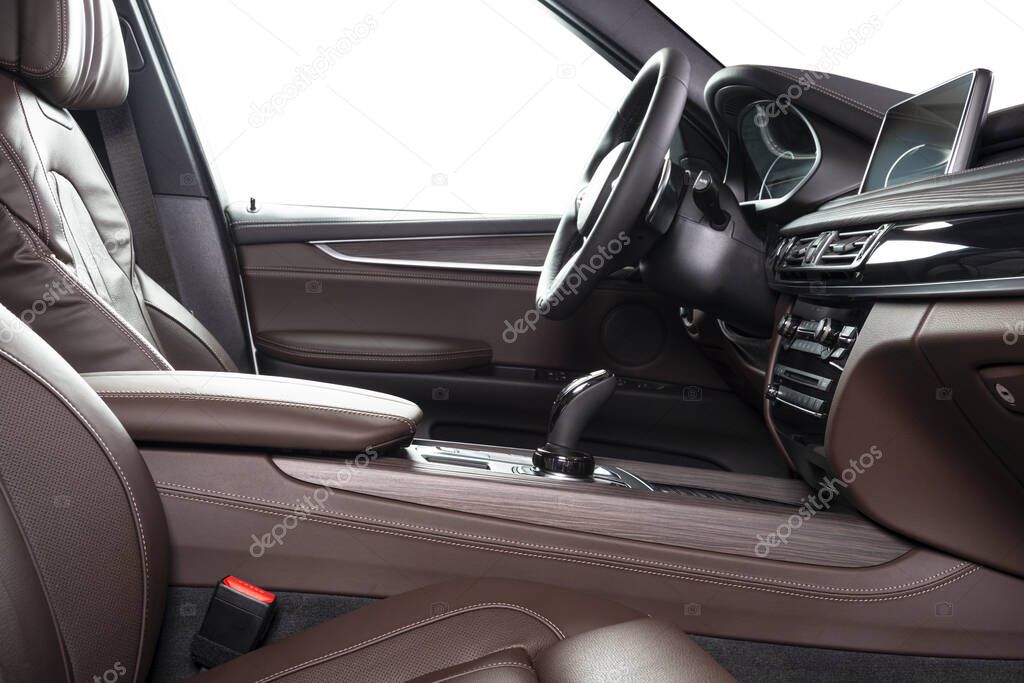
27, 234
121, 475
111, 316
32, 241
61, 55
233, 399
485, 667
846, 99
152, 354
605, 565
31, 136
294, 383
30, 189
408, 627
490, 539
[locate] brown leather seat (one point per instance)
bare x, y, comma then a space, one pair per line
85, 563
67, 265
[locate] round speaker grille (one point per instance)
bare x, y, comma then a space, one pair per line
633, 334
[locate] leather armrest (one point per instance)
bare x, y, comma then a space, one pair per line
229, 409
373, 352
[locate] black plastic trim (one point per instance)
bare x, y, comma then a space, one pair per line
692, 426
964, 256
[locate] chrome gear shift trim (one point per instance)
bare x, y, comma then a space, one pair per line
475, 459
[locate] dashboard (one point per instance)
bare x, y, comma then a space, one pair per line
876, 195
888, 232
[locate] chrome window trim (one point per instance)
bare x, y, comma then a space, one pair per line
329, 247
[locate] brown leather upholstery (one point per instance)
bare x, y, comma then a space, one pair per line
69, 51
186, 344
231, 409
508, 666
85, 557
665, 656
67, 265
373, 352
482, 630
84, 560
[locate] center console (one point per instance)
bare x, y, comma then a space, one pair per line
260, 475
456, 457
815, 342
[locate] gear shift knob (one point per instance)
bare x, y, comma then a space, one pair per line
573, 408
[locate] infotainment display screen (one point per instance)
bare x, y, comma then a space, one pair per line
929, 134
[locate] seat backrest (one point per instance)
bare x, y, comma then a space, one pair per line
67, 265
83, 539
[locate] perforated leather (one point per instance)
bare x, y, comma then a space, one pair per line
85, 524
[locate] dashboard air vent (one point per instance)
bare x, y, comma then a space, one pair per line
834, 251
846, 248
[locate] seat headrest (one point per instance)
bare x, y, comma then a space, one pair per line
71, 52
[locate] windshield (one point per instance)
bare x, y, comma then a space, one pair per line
908, 45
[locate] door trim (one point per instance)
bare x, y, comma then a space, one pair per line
331, 248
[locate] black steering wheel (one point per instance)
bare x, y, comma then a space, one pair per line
629, 164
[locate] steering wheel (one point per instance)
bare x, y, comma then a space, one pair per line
629, 164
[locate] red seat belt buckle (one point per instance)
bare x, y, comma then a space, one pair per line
236, 622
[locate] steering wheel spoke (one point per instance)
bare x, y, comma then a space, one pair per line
624, 173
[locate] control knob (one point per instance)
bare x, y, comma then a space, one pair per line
826, 332
788, 326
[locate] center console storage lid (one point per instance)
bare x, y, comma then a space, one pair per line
230, 409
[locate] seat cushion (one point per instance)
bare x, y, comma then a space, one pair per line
469, 631
647, 650
506, 666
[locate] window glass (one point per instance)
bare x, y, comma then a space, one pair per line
449, 105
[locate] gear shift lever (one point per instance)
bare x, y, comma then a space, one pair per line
570, 413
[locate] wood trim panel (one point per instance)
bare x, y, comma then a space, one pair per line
826, 539
774, 489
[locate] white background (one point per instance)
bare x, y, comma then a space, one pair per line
920, 44
487, 106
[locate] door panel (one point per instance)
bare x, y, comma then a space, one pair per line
441, 311
297, 287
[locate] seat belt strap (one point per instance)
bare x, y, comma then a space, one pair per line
131, 180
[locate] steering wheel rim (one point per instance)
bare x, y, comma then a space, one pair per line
597, 228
